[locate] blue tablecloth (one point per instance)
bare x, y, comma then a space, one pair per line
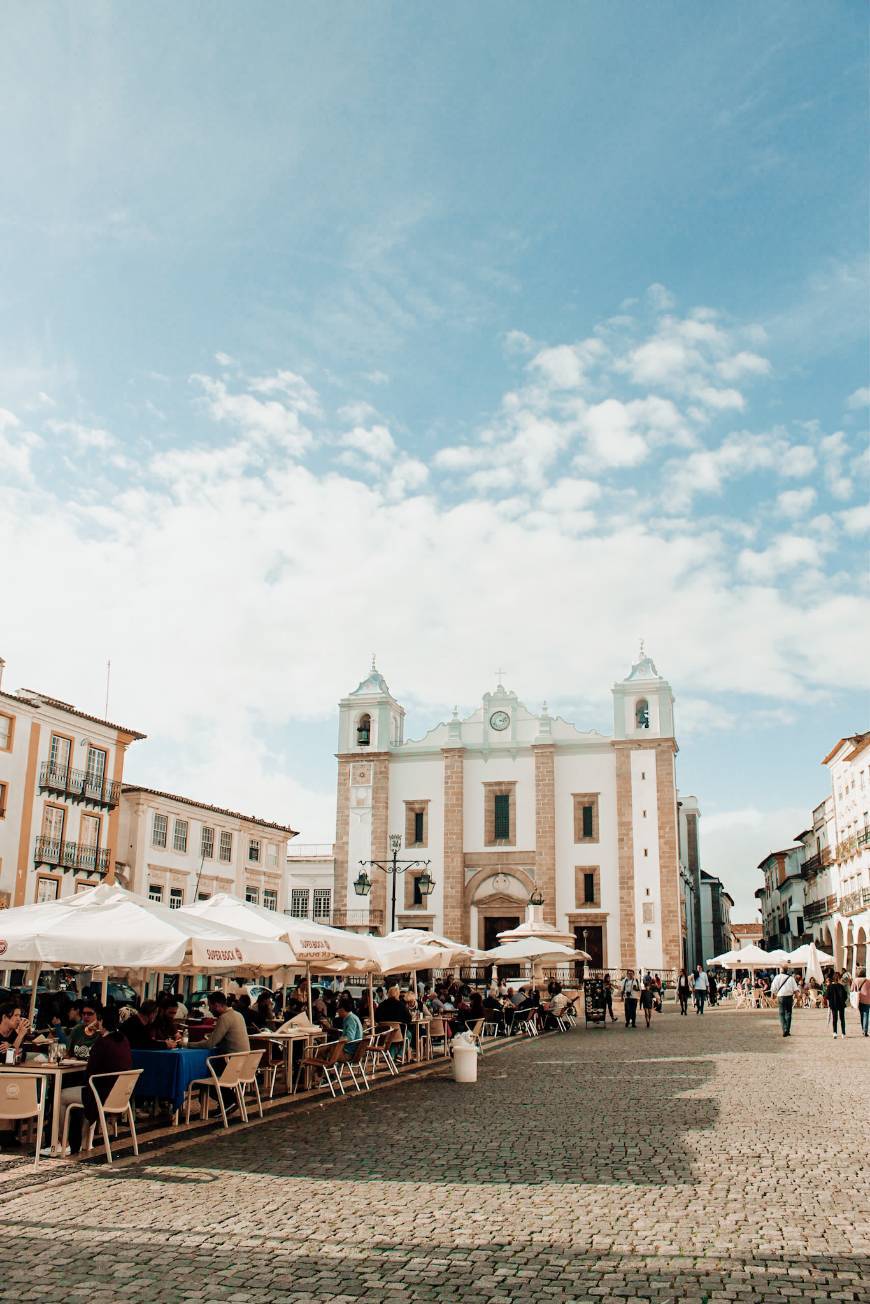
166, 1074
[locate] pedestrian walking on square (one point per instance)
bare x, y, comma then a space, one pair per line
647, 996
837, 997
784, 988
712, 989
630, 994
683, 990
608, 998
699, 986
861, 985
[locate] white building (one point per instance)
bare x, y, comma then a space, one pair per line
61, 772
716, 906
781, 899
506, 801
842, 925
176, 850
310, 877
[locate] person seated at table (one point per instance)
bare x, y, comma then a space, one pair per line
110, 1053
139, 1028
410, 999
393, 1009
265, 1009
347, 1022
165, 1029
83, 1036
476, 1009
13, 1028
229, 1034
253, 1023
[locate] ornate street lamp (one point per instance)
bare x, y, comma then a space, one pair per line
394, 867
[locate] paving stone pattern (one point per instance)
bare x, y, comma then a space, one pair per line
707, 1159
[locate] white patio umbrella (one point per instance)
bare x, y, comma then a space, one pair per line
538, 928
722, 960
809, 958
537, 950
112, 929
752, 957
421, 937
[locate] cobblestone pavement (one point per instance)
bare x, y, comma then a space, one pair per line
705, 1160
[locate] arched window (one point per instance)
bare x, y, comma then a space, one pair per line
641, 714
364, 731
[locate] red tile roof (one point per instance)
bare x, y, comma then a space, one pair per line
27, 694
217, 810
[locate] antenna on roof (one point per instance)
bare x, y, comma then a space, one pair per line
108, 677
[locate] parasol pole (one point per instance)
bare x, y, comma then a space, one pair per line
34, 979
371, 1001
308, 986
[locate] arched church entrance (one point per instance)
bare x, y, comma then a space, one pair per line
496, 900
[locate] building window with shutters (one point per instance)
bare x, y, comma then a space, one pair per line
270, 898
299, 902
252, 895
416, 823
499, 824
322, 903
155, 893
587, 887
206, 843
271, 854
47, 889
225, 852
179, 836
176, 898
4, 799
159, 830
585, 816
254, 851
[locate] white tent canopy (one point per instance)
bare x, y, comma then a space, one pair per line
110, 928
420, 937
722, 959
752, 957
803, 955
533, 948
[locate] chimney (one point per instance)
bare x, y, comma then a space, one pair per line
2, 668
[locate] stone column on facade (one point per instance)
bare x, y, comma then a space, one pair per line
342, 834
456, 923
545, 826
25, 841
382, 885
669, 866
625, 858
123, 742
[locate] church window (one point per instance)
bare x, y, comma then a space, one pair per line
641, 714
502, 815
585, 816
499, 823
587, 886
416, 823
364, 731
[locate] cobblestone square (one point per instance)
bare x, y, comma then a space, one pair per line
706, 1159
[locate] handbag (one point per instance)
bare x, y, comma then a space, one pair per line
854, 1000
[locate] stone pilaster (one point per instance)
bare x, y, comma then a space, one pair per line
669, 864
342, 832
625, 859
545, 826
381, 887
456, 923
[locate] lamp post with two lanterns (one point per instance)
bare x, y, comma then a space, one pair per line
394, 867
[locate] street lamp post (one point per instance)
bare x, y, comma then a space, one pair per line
394, 867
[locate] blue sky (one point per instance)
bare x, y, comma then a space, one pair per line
477, 335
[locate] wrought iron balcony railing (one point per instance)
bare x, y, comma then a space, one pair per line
816, 909
374, 919
79, 785
64, 855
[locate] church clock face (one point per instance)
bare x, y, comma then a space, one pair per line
499, 720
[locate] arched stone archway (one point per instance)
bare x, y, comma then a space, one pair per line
839, 949
496, 896
861, 951
849, 954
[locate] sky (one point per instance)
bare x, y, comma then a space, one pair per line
474, 336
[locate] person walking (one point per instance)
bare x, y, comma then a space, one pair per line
683, 991
608, 998
712, 989
837, 997
630, 994
700, 987
784, 988
647, 996
861, 985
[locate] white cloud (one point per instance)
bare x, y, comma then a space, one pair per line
262, 423
856, 520
659, 297
734, 842
85, 437
224, 360
787, 553
743, 363
795, 502
859, 398
374, 442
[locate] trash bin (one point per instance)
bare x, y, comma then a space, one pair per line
464, 1059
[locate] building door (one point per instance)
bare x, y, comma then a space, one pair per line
492, 926
593, 944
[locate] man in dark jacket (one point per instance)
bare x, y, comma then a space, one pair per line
837, 996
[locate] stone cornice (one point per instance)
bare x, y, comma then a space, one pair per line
645, 744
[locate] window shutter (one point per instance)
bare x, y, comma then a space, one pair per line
587, 822
502, 815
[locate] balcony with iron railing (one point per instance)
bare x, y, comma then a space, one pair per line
817, 909
79, 785
60, 854
370, 919
815, 864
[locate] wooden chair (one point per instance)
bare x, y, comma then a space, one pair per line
438, 1032
379, 1052
324, 1059
21, 1098
226, 1077
355, 1061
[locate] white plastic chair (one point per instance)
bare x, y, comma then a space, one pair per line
227, 1077
248, 1078
118, 1102
21, 1098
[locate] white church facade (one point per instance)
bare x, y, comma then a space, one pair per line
505, 803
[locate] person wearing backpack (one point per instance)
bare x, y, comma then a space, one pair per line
784, 988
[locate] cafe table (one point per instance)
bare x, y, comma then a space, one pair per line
60, 1075
421, 1034
166, 1074
287, 1040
